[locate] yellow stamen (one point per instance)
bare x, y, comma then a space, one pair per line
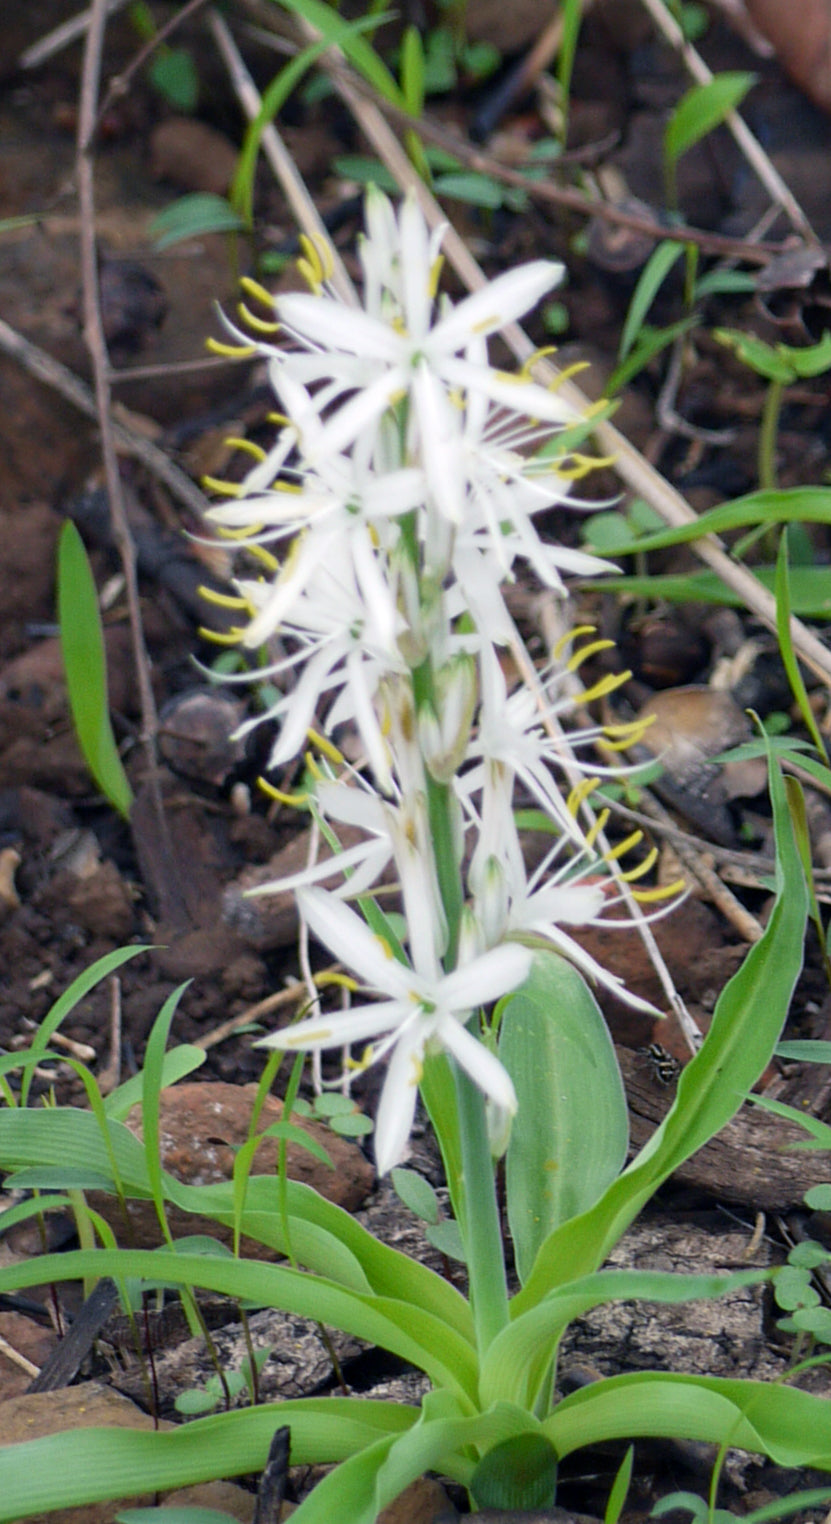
576, 661
223, 489
223, 600
331, 976
580, 793
435, 276
623, 847
325, 747
633, 874
317, 259
599, 825
247, 446
253, 288
604, 686
294, 801
570, 635
221, 637
259, 325
231, 351
650, 896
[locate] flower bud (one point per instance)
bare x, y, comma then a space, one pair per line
444, 725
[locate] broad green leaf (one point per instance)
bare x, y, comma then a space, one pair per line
790, 1426
746, 1027
92, 1465
521, 1473
192, 216
82, 645
650, 281
571, 1130
404, 1329
516, 1367
703, 108
416, 1193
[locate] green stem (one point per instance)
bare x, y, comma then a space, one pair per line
483, 1231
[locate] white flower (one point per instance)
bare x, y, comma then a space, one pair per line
424, 1009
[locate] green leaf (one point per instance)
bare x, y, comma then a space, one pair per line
81, 986
650, 343
620, 1488
812, 504
810, 587
764, 359
178, 1063
786, 650
520, 1473
192, 216
416, 1193
473, 188
82, 645
412, 70
650, 280
365, 171
807, 1051
44, 1474
445, 1237
790, 1426
703, 108
173, 73
571, 1130
746, 1027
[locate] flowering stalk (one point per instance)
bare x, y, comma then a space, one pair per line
400, 493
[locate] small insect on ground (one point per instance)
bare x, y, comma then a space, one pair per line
663, 1065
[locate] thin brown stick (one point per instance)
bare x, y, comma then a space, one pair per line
120, 83
96, 344
64, 381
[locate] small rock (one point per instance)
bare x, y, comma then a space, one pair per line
225, 1497
192, 155
423, 1502
202, 1125
35, 1414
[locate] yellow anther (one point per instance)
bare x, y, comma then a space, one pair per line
253, 288
633, 874
259, 325
221, 637
223, 600
231, 351
651, 896
325, 747
576, 660
623, 847
435, 276
332, 977
223, 489
599, 825
264, 557
604, 686
316, 771
580, 793
625, 729
294, 801
317, 260
358, 1065
566, 375
571, 635
279, 418
247, 446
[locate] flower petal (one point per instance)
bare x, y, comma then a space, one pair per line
396, 1109
349, 938
483, 1067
